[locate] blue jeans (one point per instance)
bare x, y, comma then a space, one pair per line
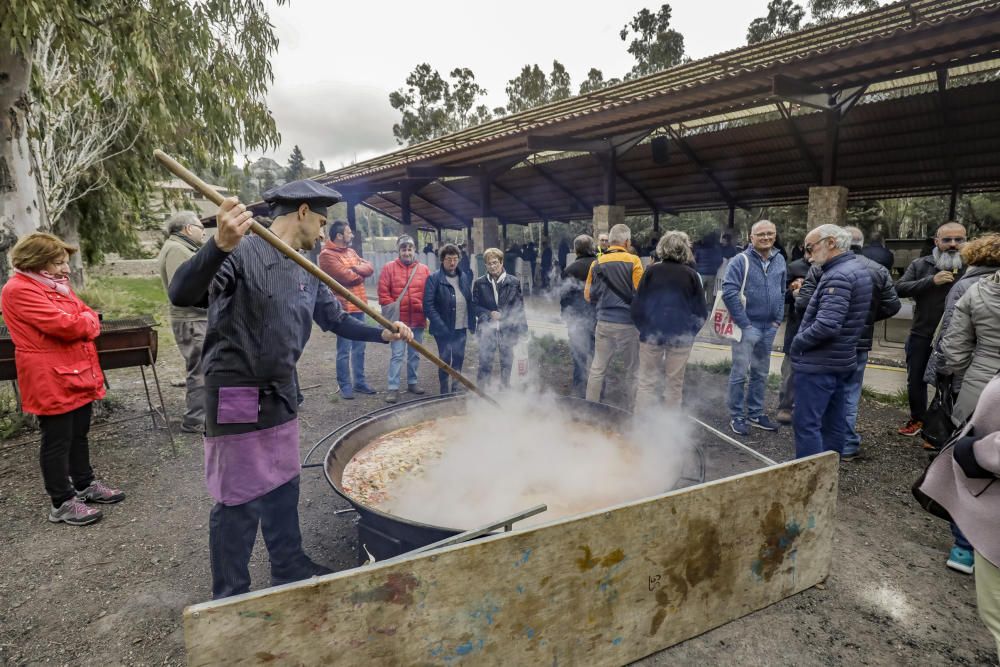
351, 355
820, 417
752, 356
451, 349
960, 540
397, 349
852, 396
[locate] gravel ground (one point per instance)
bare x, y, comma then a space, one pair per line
113, 593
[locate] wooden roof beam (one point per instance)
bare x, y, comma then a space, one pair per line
534, 211
799, 141
544, 173
705, 169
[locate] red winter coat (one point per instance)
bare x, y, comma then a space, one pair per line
53, 334
349, 269
391, 282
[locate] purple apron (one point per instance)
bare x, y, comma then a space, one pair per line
245, 466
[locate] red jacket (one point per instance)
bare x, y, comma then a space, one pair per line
53, 334
347, 268
391, 282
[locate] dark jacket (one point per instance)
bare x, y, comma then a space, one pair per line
614, 275
797, 268
575, 308
885, 301
508, 302
879, 254
827, 341
918, 283
765, 291
439, 303
708, 256
669, 306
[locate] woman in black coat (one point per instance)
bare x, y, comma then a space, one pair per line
668, 310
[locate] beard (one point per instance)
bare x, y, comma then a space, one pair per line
950, 260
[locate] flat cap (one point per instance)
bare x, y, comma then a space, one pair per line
288, 197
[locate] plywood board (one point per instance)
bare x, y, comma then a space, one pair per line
600, 589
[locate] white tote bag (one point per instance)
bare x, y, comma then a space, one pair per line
722, 321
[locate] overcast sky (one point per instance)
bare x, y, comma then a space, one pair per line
337, 62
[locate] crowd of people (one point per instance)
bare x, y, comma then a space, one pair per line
234, 298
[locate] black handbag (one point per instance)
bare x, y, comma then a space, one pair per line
938, 427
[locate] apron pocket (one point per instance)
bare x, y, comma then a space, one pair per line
238, 405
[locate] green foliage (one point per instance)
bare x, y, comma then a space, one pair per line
595, 81
824, 11
194, 74
783, 16
296, 164
655, 45
117, 297
900, 398
12, 420
531, 88
432, 106
322, 167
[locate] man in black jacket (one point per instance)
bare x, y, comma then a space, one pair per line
579, 315
797, 271
927, 281
877, 252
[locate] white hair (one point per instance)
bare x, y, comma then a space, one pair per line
857, 236
841, 237
619, 234
761, 222
178, 221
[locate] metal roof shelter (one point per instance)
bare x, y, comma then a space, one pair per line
899, 101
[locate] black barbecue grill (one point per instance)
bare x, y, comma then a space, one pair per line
123, 343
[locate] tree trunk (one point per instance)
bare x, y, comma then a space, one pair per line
21, 207
67, 227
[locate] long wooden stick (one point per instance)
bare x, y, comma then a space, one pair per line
181, 172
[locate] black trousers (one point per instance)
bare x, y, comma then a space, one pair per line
451, 349
65, 453
232, 531
492, 344
918, 353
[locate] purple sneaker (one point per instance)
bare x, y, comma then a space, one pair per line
75, 513
99, 493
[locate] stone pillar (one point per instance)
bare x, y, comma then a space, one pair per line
827, 206
485, 234
605, 217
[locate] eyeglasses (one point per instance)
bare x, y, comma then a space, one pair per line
765, 235
809, 246
952, 239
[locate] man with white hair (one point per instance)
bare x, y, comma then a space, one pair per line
927, 281
754, 292
824, 352
189, 323
611, 284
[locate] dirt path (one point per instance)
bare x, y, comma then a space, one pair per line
113, 593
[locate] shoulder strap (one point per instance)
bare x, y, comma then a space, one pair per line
746, 272
607, 281
399, 298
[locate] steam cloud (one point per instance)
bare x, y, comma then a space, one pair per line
532, 451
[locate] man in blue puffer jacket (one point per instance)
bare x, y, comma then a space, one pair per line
824, 352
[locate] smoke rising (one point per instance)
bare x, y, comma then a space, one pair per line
532, 451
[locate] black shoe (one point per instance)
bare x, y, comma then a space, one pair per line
307, 570
364, 389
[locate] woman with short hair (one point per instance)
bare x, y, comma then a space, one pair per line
58, 372
448, 307
499, 308
668, 310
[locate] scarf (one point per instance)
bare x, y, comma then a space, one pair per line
59, 284
194, 247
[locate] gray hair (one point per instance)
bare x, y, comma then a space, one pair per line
857, 236
675, 246
178, 221
762, 222
620, 234
583, 245
841, 237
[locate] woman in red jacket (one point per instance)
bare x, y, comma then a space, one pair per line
58, 371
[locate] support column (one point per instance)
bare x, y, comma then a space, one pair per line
605, 217
656, 223
405, 218
352, 222
827, 205
485, 234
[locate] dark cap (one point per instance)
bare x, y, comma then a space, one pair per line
288, 197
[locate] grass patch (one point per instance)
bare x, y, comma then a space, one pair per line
117, 297
12, 422
899, 399
725, 366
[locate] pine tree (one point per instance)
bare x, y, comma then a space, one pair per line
296, 165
